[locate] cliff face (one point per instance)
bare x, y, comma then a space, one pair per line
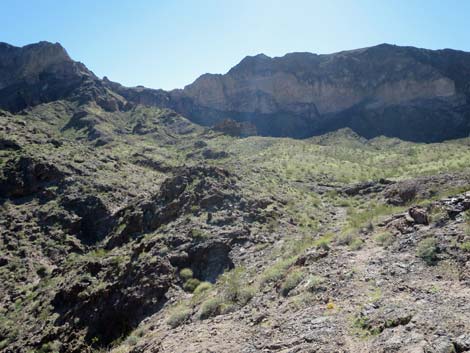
378, 90
414, 94
37, 73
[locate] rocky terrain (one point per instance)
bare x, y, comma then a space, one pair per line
125, 227
414, 94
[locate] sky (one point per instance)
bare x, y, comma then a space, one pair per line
169, 43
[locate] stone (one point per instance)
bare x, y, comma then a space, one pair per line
419, 215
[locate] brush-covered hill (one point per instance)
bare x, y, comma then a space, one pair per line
410, 93
414, 94
128, 228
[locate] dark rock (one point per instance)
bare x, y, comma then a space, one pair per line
3, 261
209, 260
211, 154
38, 73
93, 217
25, 176
200, 144
462, 343
368, 187
149, 162
211, 189
402, 193
235, 128
419, 215
7, 144
289, 95
123, 299
311, 257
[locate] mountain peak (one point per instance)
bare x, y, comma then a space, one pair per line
37, 73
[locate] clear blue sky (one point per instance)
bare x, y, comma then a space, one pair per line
167, 44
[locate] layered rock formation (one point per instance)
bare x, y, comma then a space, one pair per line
44, 72
410, 93
404, 92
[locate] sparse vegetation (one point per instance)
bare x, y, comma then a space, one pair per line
465, 246
308, 214
384, 238
291, 281
202, 288
276, 271
234, 287
315, 283
191, 284
186, 273
210, 307
427, 250
179, 315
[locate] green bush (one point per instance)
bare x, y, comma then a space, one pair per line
191, 284
210, 307
345, 238
291, 281
234, 289
132, 340
465, 246
385, 239
199, 234
186, 273
356, 244
315, 283
427, 250
202, 287
277, 271
178, 316
324, 241
437, 215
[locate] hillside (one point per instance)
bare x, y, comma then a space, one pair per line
414, 94
125, 227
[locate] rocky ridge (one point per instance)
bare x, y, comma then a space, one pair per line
125, 227
405, 92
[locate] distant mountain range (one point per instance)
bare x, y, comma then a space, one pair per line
405, 92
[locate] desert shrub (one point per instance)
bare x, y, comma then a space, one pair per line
199, 234
427, 250
356, 244
324, 241
385, 238
186, 273
42, 271
277, 271
226, 308
349, 238
360, 218
291, 281
345, 238
132, 340
234, 289
465, 246
315, 283
437, 215
202, 287
466, 217
178, 316
50, 347
191, 284
210, 307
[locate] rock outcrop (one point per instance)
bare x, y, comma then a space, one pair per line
44, 72
396, 91
410, 93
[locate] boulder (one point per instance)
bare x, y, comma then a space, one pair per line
26, 176
419, 215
